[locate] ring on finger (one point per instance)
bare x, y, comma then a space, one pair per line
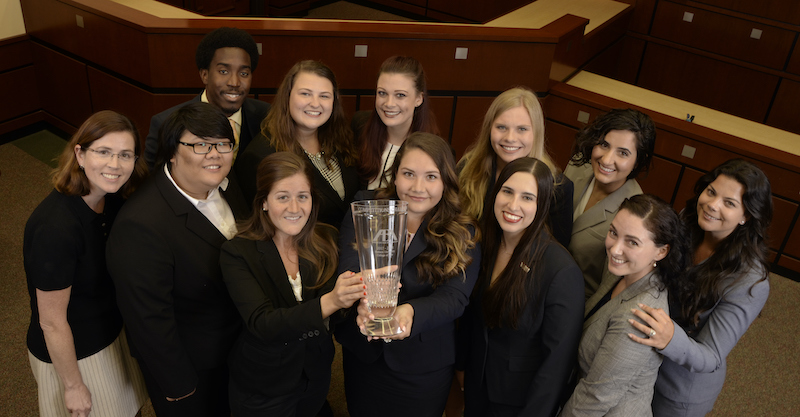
652, 332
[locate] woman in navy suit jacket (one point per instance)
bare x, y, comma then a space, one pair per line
278, 271
411, 376
520, 333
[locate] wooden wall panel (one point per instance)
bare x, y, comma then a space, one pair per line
686, 188
15, 53
559, 141
442, 108
789, 263
63, 85
794, 60
783, 214
475, 10
780, 10
707, 82
467, 121
642, 15
662, 179
724, 35
784, 111
20, 93
115, 46
138, 104
620, 61
793, 245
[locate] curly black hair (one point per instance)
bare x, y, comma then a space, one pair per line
225, 37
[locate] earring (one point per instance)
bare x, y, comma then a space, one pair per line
742, 222
81, 167
263, 209
655, 264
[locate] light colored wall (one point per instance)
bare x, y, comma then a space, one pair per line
11, 23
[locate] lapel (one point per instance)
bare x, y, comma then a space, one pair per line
609, 281
276, 272
250, 127
196, 222
325, 189
418, 244
606, 208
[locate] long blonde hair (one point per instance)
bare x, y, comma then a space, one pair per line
477, 162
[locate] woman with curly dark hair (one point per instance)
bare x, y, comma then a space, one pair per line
607, 156
412, 375
307, 118
647, 254
728, 220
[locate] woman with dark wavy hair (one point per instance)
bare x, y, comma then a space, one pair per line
307, 119
728, 220
521, 330
607, 156
279, 271
402, 107
411, 376
77, 349
647, 253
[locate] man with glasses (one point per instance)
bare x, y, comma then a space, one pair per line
163, 256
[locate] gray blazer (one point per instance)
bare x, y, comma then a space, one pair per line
617, 375
694, 366
590, 228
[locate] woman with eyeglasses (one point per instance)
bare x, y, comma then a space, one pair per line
76, 346
307, 119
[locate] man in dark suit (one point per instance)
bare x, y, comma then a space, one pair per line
226, 59
163, 256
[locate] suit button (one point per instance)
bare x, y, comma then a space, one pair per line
310, 334
316, 332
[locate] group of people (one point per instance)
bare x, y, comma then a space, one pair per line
530, 290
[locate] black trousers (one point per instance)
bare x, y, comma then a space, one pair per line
210, 399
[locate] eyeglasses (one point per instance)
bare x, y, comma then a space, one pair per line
203, 148
106, 155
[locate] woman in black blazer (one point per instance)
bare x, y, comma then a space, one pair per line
278, 271
521, 331
411, 375
307, 119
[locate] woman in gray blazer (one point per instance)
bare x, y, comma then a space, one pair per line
647, 253
607, 156
728, 219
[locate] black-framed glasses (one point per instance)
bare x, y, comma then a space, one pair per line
106, 155
203, 148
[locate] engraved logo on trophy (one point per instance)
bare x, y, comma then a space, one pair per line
380, 229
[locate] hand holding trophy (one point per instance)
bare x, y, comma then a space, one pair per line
380, 229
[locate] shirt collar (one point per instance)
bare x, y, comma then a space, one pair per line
236, 117
194, 201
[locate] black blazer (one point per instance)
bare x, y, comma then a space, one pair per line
529, 366
331, 207
253, 112
431, 345
163, 256
282, 338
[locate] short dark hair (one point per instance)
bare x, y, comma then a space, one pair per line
200, 119
631, 120
225, 37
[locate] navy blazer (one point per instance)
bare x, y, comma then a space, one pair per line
530, 366
431, 344
283, 337
331, 207
253, 112
163, 256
